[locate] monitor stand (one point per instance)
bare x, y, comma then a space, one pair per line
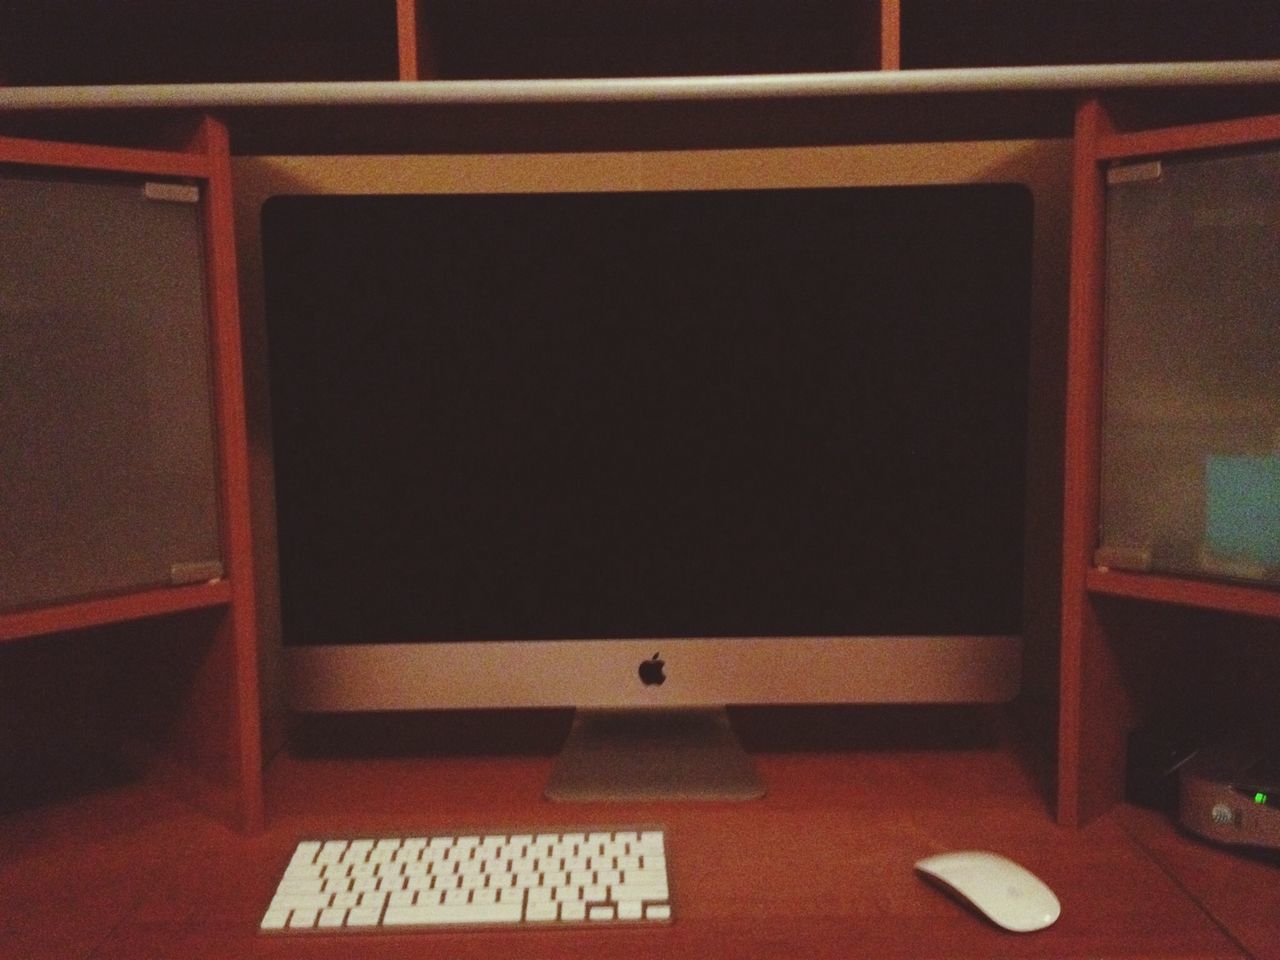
629, 755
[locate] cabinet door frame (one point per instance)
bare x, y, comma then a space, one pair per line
1098, 702
212, 740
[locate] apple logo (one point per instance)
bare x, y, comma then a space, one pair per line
651, 671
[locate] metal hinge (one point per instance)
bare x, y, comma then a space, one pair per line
1148, 171
172, 192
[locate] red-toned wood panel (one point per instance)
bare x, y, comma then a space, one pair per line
1082, 787
1202, 136
237, 632
104, 610
1227, 597
890, 34
821, 867
114, 159
407, 38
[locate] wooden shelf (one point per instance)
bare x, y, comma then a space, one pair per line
1204, 594
104, 610
1120, 144
643, 113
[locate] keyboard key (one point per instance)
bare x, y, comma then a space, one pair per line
300, 901
311, 885
332, 850
630, 910
275, 919
542, 911
306, 851
438, 914
656, 890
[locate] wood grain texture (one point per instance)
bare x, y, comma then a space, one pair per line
237, 633
1085, 712
1240, 889
890, 34
101, 610
1258, 601
821, 867
1202, 136
407, 39
115, 159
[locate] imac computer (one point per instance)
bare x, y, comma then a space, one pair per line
649, 452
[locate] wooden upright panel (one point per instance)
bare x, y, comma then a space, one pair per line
407, 38
413, 41
1087, 714
890, 34
238, 662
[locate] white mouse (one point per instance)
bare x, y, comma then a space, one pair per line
1008, 894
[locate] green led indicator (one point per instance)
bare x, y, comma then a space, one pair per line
1259, 798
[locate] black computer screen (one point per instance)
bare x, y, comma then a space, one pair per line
699, 413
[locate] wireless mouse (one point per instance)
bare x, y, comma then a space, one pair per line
1006, 893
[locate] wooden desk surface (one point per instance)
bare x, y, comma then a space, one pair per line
822, 867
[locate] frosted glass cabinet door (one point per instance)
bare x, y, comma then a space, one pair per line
107, 458
1191, 409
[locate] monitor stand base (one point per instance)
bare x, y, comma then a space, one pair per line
638, 755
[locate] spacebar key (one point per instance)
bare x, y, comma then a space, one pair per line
447, 913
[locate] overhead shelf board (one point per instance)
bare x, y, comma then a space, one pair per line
644, 89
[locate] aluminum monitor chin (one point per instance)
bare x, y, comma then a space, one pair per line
634, 736
529, 437
695, 672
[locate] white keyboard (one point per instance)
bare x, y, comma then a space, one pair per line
477, 880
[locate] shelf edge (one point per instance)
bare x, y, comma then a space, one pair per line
117, 609
1205, 594
639, 89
